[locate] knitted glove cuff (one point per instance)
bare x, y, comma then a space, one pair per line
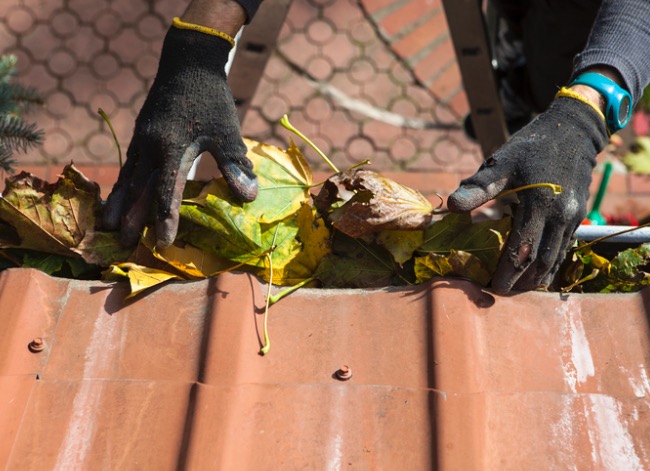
178, 23
188, 49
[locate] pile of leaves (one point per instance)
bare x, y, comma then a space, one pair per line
358, 229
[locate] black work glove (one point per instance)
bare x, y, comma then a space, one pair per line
189, 109
559, 146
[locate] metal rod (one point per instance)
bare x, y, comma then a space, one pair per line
589, 233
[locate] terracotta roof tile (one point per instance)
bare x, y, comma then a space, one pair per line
444, 375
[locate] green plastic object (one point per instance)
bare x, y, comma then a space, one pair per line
594, 216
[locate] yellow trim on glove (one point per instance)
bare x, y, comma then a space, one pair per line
567, 92
180, 24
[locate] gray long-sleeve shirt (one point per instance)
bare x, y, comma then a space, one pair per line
620, 38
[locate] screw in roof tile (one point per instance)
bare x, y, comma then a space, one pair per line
344, 373
36, 345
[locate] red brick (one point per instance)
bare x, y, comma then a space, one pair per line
428, 183
458, 103
447, 84
622, 204
639, 184
407, 15
421, 37
436, 64
373, 6
617, 183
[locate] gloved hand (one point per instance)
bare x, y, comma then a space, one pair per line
559, 146
189, 109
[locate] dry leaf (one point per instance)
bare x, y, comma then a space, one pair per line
140, 278
372, 203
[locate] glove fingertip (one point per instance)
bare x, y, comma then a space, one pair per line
241, 180
166, 232
465, 199
502, 283
112, 210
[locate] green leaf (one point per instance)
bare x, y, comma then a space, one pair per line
229, 232
47, 263
625, 265
401, 244
54, 265
102, 248
284, 180
457, 232
314, 244
355, 264
221, 228
624, 273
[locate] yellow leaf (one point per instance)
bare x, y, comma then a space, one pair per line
313, 237
401, 244
431, 265
140, 277
284, 179
457, 263
191, 261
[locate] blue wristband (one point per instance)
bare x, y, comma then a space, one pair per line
619, 102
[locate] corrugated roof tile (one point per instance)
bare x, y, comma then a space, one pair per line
444, 375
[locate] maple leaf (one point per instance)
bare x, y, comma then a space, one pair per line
229, 232
189, 261
354, 263
284, 179
456, 262
401, 244
360, 202
56, 218
457, 232
140, 278
457, 246
48, 217
244, 232
314, 239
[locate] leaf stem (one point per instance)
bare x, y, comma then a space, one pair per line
267, 341
557, 189
269, 255
594, 273
110, 126
287, 125
277, 297
360, 164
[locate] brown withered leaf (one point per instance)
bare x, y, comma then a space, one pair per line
50, 217
361, 202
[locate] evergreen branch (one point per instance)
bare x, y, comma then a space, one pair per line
6, 162
7, 67
25, 97
16, 134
